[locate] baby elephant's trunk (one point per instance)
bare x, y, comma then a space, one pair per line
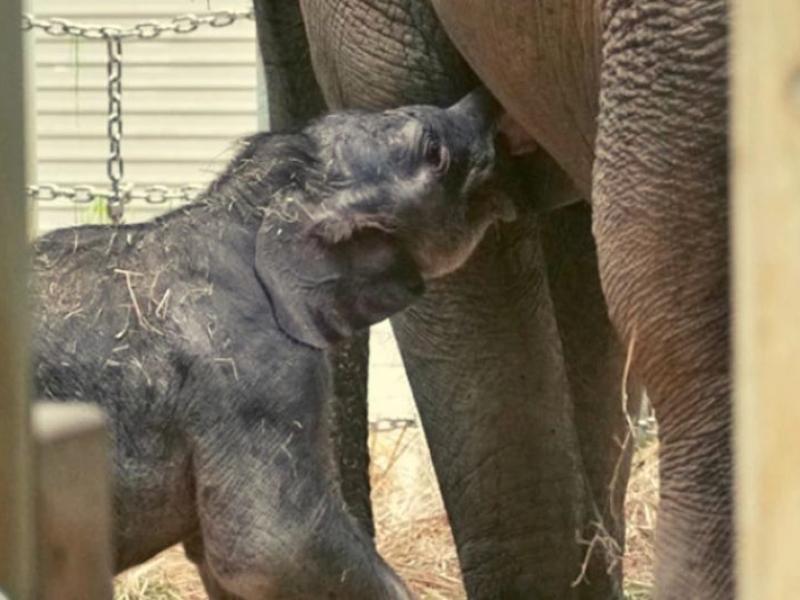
480, 109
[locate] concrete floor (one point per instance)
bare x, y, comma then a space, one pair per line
389, 392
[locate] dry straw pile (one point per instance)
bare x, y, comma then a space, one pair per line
641, 506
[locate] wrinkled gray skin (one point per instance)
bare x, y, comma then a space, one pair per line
514, 364
515, 367
637, 115
202, 335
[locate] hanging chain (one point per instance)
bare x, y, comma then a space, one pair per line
143, 31
119, 194
115, 165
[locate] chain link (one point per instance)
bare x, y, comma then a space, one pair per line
119, 195
144, 31
161, 194
86, 194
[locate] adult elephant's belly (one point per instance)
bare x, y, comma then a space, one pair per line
541, 59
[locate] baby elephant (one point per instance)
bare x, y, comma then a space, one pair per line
202, 335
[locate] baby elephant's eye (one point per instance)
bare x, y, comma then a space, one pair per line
436, 155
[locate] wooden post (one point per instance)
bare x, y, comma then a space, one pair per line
16, 482
73, 503
766, 222
54, 544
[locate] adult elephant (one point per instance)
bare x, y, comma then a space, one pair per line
515, 367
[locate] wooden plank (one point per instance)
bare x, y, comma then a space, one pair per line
16, 489
73, 502
766, 220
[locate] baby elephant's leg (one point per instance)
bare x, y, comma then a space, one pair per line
193, 547
272, 524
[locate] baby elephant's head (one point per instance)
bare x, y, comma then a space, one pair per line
377, 204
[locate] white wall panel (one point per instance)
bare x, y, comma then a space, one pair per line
186, 99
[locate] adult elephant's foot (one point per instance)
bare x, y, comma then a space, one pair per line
349, 426
660, 213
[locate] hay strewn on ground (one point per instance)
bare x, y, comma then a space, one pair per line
168, 576
412, 530
413, 534
641, 506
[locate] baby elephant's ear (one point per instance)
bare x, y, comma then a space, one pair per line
325, 288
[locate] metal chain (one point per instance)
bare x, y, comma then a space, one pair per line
144, 31
115, 166
161, 194
119, 195
86, 194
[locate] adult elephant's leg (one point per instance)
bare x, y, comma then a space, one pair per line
294, 97
482, 350
595, 362
350, 420
484, 357
661, 223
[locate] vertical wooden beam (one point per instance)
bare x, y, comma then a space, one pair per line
766, 220
73, 502
16, 481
